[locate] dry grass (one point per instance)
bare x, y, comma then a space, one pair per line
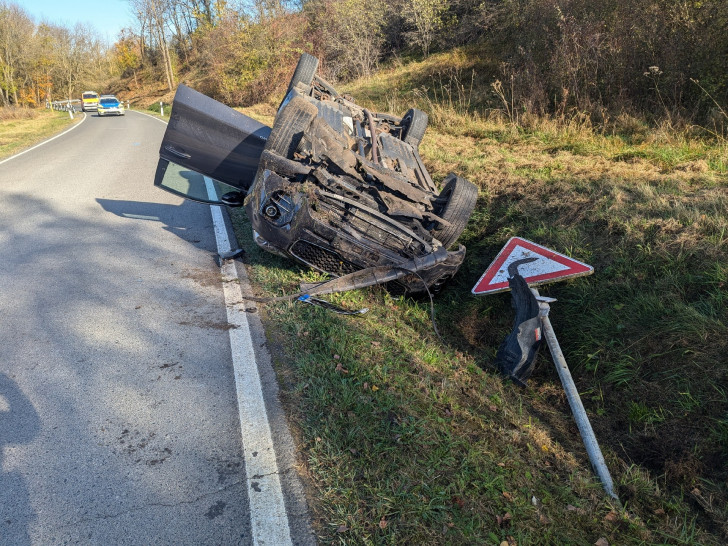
12, 114
21, 128
263, 112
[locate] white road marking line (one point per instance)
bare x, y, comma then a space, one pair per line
148, 115
45, 141
268, 516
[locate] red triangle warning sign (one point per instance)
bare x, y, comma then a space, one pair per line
544, 266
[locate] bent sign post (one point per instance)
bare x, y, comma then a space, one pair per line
541, 265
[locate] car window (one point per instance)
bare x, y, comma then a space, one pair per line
89, 95
190, 184
108, 101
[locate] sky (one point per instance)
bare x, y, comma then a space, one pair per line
107, 17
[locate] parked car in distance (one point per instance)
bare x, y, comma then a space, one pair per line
109, 105
332, 185
89, 101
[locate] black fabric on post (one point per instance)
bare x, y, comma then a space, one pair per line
516, 357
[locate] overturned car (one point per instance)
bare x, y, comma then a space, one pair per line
332, 185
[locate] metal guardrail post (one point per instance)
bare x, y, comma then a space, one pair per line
577, 408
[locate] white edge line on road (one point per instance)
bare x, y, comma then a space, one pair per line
148, 115
45, 141
268, 516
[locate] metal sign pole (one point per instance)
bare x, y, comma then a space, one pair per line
577, 408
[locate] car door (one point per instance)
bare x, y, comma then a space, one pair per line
211, 139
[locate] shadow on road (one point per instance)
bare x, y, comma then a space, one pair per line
19, 424
175, 218
115, 330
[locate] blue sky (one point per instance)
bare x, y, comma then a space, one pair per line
108, 17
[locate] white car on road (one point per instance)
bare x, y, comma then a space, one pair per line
110, 105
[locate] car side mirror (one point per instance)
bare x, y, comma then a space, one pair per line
233, 198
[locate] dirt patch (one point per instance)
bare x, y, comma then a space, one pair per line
203, 277
208, 324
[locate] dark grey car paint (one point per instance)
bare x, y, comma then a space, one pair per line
213, 139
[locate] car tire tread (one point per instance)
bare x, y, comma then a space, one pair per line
305, 71
416, 126
289, 126
461, 197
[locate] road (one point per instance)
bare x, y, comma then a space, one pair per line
118, 408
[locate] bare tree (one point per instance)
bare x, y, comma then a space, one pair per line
15, 29
425, 16
154, 16
352, 34
71, 47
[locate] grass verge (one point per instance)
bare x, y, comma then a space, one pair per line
411, 439
23, 128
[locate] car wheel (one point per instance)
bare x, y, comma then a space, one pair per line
415, 122
289, 125
458, 199
305, 71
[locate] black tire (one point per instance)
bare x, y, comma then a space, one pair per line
289, 125
304, 73
305, 70
459, 198
415, 122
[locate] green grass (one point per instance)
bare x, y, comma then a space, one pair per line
22, 129
156, 111
409, 439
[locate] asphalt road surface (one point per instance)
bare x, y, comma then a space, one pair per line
118, 408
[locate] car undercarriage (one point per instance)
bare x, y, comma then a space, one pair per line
331, 185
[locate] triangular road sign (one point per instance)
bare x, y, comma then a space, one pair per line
548, 266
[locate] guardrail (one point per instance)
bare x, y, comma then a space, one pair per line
72, 105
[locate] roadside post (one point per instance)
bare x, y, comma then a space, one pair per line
161, 108
541, 265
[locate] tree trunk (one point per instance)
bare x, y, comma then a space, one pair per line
166, 58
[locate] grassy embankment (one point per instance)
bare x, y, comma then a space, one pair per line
409, 439
21, 128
